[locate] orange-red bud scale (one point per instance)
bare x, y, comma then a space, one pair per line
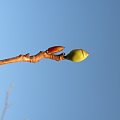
55, 49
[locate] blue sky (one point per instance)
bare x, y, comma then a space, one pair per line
64, 90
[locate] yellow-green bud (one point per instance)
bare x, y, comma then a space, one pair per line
77, 55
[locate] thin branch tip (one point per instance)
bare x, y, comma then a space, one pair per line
35, 58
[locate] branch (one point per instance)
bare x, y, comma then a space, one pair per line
34, 58
76, 55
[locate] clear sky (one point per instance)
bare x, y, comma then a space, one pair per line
50, 90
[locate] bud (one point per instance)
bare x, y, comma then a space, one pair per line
54, 49
77, 55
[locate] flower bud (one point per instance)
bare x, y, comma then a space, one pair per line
77, 55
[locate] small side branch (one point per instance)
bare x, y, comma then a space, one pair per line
32, 59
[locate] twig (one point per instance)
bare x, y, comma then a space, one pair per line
6, 104
32, 59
